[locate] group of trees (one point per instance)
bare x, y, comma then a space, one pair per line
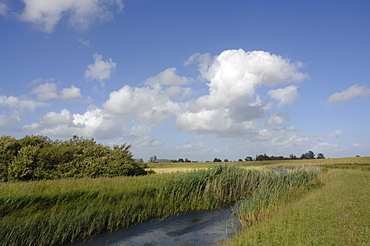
38, 157
309, 155
264, 157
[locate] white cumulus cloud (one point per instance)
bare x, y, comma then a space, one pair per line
232, 105
100, 70
235, 74
351, 92
81, 14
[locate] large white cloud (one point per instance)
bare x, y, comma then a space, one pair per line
234, 75
351, 92
100, 70
232, 105
45, 14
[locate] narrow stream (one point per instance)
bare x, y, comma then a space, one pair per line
195, 228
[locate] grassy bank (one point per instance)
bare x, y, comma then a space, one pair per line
336, 214
53, 212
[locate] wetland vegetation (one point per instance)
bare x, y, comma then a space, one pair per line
52, 212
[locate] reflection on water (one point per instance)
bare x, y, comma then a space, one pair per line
195, 228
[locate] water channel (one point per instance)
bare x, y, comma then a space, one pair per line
194, 228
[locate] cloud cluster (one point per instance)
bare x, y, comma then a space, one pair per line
230, 108
14, 107
351, 92
81, 14
93, 123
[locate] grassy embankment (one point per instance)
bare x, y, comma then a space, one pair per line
336, 214
57, 211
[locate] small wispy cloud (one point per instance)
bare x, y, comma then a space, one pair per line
348, 94
86, 43
3, 9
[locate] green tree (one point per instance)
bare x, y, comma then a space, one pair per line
9, 148
320, 156
262, 158
24, 165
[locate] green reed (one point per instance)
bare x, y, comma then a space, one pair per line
55, 212
274, 190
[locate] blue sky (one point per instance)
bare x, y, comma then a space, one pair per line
189, 79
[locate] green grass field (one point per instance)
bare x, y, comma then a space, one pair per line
304, 207
336, 214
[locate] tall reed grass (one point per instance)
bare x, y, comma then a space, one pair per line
55, 212
274, 190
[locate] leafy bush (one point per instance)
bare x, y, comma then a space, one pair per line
38, 157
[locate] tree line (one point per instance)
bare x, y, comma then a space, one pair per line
308, 155
38, 157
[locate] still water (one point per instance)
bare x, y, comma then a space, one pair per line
195, 228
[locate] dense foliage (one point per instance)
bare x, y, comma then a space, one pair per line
38, 157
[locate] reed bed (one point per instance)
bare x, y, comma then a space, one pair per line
55, 212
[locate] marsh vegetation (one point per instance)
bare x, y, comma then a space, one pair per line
52, 212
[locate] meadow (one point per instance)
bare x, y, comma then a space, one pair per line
336, 214
52, 212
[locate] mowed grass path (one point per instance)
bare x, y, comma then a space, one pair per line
338, 213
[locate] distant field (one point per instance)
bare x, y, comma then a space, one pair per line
362, 163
